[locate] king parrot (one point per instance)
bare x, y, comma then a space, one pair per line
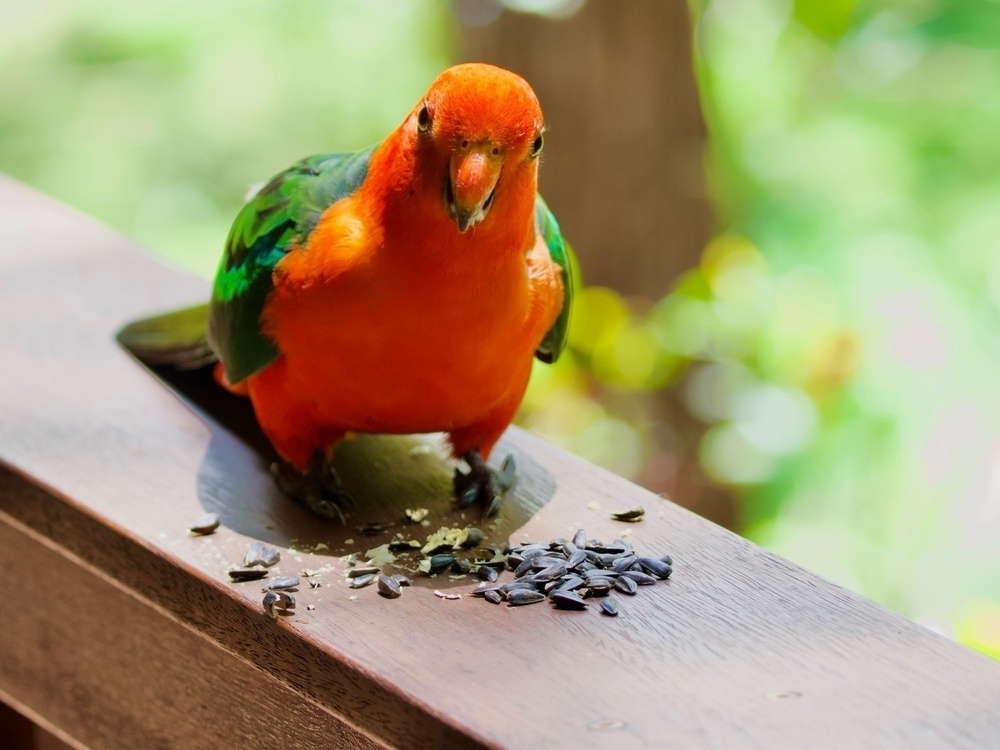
404, 288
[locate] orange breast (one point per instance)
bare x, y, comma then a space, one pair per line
392, 337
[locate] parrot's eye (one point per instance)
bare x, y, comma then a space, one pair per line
536, 147
423, 119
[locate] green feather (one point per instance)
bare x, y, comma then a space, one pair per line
279, 217
560, 251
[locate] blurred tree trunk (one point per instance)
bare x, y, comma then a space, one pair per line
624, 175
623, 160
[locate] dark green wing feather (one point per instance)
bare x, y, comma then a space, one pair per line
555, 340
279, 217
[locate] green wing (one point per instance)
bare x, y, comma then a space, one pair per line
278, 218
555, 340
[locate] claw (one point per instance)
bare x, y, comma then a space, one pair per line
319, 488
483, 484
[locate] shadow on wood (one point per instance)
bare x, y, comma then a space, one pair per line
384, 474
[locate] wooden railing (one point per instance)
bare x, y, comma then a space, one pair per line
121, 630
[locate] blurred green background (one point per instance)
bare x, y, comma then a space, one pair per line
826, 363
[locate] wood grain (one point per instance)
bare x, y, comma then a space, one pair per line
107, 467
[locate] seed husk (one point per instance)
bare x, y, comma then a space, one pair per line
461, 566
519, 597
270, 599
493, 597
278, 600
261, 554
247, 573
408, 545
609, 607
361, 581
363, 570
205, 525
567, 600
630, 516
416, 515
389, 587
282, 584
402, 580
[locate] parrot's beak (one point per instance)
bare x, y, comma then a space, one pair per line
473, 173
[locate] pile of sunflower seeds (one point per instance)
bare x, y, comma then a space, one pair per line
568, 572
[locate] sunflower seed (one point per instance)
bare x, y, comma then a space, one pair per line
549, 573
493, 597
570, 583
631, 516
205, 525
576, 559
609, 607
524, 596
440, 563
567, 600
247, 573
402, 580
361, 581
364, 570
261, 554
626, 586
482, 591
278, 584
389, 587
656, 568
580, 538
523, 569
623, 563
643, 579
473, 538
517, 586
486, 573
667, 559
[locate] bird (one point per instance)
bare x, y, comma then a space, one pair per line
405, 288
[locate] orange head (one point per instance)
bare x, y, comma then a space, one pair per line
479, 128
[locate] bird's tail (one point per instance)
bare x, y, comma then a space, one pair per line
176, 338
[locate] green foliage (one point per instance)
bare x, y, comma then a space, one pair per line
158, 116
840, 340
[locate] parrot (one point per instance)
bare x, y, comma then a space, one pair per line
405, 288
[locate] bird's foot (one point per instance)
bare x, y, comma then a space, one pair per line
482, 484
319, 488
